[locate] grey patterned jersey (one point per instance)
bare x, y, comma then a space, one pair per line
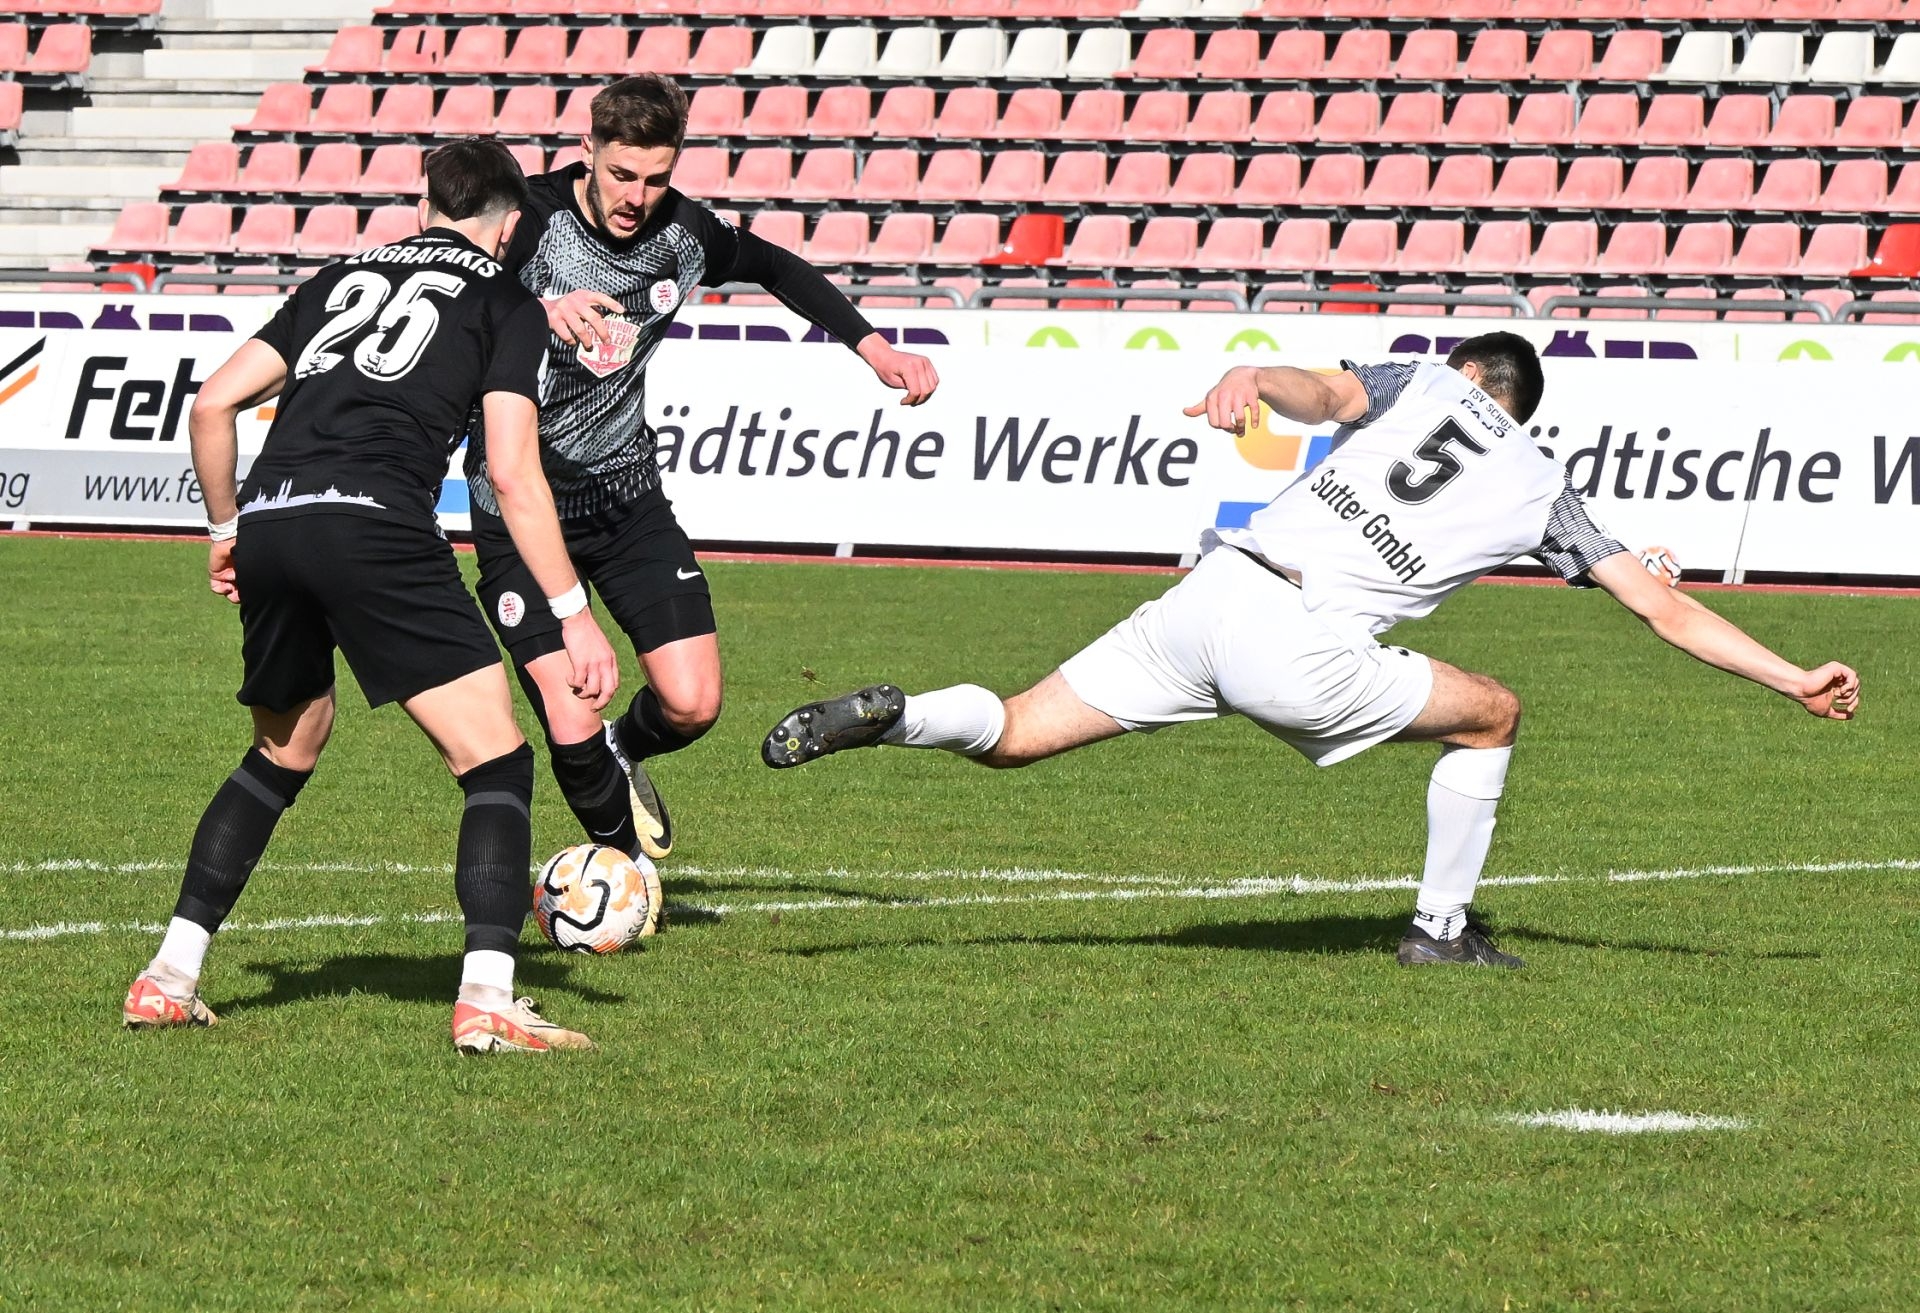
595, 442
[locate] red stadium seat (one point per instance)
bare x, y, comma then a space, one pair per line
1675, 118
1565, 55
13, 48
477, 51
1431, 54
417, 50
538, 52
1158, 116
723, 51
1141, 178
528, 112
464, 112
1032, 113
602, 51
1804, 121
1076, 176
566, 157
576, 115
1014, 176
1611, 118
717, 112
952, 175
330, 230
1658, 182
141, 226
1297, 54
779, 111
1769, 250
1167, 54
905, 112
701, 171
1223, 116
1094, 116
286, 106
356, 48
1231, 54
1593, 182
664, 50
1499, 54
1287, 116
1635, 248
332, 169
784, 228
1099, 241
265, 230
1527, 182
763, 172
389, 224
842, 112
1204, 179
63, 48
970, 113
1871, 123
1271, 180
1546, 118
1401, 181
1168, 242
1414, 117
1300, 244
825, 173
272, 166
903, 239
1479, 119
1362, 54
1334, 182
1634, 55
1367, 245
1348, 116
208, 226
1739, 122
1500, 246
215, 166
1434, 246
529, 156
1567, 246
1834, 250
890, 175
1857, 186
1727, 184
394, 171
404, 111
839, 237
1232, 244
968, 239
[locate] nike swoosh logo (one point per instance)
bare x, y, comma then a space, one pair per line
687, 574
608, 835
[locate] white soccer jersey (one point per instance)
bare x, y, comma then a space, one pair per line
1434, 486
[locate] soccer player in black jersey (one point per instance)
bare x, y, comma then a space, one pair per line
330, 541
613, 251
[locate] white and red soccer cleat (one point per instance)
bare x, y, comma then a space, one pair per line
515, 1028
157, 1002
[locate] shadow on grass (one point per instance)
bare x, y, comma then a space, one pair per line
1642, 946
682, 887
1323, 934
432, 979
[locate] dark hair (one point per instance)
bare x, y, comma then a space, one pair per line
1509, 370
477, 176
644, 110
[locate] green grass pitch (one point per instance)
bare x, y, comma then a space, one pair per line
927, 1036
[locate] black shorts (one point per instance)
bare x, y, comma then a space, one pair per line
635, 558
388, 595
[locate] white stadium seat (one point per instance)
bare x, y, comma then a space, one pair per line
1843, 59
1100, 53
911, 52
1773, 57
848, 52
1701, 57
975, 52
1039, 55
783, 52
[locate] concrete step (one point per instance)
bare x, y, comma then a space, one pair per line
80, 186
41, 242
338, 11
159, 124
119, 147
256, 34
242, 65
59, 152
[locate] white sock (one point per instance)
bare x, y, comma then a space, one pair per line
1461, 799
487, 968
184, 949
966, 719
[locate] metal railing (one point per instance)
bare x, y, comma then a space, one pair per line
1000, 292
1708, 305
1522, 308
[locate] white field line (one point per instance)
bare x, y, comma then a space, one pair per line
1624, 1123
1117, 889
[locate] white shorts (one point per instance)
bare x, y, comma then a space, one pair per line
1235, 637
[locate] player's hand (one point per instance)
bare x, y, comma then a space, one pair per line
220, 576
1228, 405
900, 369
576, 317
1832, 692
596, 671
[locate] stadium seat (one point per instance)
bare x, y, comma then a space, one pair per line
664, 50
329, 230
419, 49
1167, 54
214, 166
286, 106
717, 112
892, 174
1702, 248
477, 51
1094, 116
1567, 246
1703, 55
272, 166
1658, 182
64, 48
702, 171
1099, 241
1272, 180
971, 112
465, 111
13, 48
783, 52
1231, 55
1834, 250
1300, 244
825, 173
1466, 182
1167, 242
1769, 250
1845, 58
141, 226
356, 48
905, 112
332, 169
1362, 54
603, 51
1639, 247
786, 229
568, 156
1234, 243
530, 156
1077, 176
1726, 183
1857, 186
839, 237
1399, 181
1334, 182
1414, 118
777, 112
845, 112
1204, 179
967, 239
1479, 119
389, 224
1903, 196
1499, 54
404, 111
911, 54
1141, 178
952, 175
1158, 116
1038, 54
1903, 62
207, 226
1296, 54
1774, 58
538, 52
1100, 54
1593, 182
1430, 54
722, 52
1893, 295
1287, 116
1871, 123
393, 170
1804, 121
1632, 55
1221, 116
1675, 118
1434, 246
1740, 122
576, 115
903, 239
265, 230
1032, 113
531, 111
1349, 116
1565, 55
848, 52
763, 172
1546, 118
1366, 245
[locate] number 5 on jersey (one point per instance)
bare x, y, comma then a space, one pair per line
1446, 466
401, 333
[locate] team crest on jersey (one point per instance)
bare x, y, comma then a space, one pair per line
511, 610
614, 352
663, 296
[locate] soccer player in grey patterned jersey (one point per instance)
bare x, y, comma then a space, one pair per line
1432, 482
612, 251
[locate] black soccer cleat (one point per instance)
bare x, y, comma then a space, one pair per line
852, 720
1471, 949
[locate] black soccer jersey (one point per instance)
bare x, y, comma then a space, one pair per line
388, 353
596, 445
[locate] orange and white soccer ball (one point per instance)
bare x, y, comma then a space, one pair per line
595, 899
1662, 565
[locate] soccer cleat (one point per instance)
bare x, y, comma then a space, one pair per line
853, 720
150, 1006
1471, 948
650, 817
516, 1029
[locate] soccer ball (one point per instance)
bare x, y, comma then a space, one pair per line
1661, 565
594, 899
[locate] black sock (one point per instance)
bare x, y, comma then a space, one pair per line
496, 849
644, 731
233, 833
596, 789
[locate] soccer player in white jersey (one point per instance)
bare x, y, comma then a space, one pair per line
1431, 483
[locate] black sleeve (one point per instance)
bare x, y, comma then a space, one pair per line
278, 331
519, 349
1383, 384
1574, 542
794, 283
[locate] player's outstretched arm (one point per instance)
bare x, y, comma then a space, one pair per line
252, 375
1831, 691
526, 504
1299, 394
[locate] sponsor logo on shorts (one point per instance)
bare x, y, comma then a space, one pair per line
614, 352
512, 609
664, 295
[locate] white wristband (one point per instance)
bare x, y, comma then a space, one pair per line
570, 603
224, 530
